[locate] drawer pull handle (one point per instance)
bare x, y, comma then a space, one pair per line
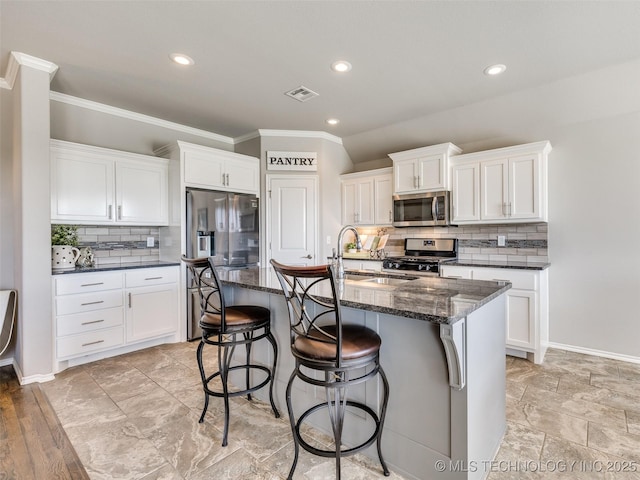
92, 343
91, 284
454, 276
154, 278
92, 303
129, 300
500, 280
94, 321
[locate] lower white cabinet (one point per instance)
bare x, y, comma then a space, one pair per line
94, 312
152, 303
527, 322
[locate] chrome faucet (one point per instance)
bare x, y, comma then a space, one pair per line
358, 247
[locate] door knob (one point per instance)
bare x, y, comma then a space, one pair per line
308, 256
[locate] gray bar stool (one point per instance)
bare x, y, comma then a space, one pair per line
346, 354
227, 326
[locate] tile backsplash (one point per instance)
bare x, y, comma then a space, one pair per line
119, 244
523, 242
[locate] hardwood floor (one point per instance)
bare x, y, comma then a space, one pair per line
33, 444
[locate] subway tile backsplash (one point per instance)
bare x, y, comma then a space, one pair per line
118, 245
523, 242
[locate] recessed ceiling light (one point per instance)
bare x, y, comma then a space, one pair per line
333, 121
341, 66
181, 59
495, 69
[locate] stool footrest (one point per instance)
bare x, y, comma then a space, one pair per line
332, 453
238, 393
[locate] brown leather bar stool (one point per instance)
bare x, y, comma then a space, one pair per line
227, 326
346, 354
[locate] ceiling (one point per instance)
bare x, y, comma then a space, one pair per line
411, 59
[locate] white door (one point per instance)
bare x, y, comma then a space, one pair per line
524, 178
383, 208
494, 188
466, 193
292, 219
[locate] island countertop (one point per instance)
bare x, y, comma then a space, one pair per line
432, 299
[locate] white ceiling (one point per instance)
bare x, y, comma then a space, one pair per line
411, 59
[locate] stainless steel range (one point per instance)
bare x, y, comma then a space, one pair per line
422, 256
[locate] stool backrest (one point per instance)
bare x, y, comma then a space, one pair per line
311, 305
209, 287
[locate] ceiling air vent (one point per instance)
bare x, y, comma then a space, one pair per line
302, 94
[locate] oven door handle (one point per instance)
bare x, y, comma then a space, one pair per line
434, 209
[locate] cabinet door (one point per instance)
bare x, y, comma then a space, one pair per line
383, 200
524, 187
141, 193
494, 187
151, 312
405, 177
82, 187
365, 201
456, 272
242, 175
349, 195
466, 193
432, 173
521, 318
202, 169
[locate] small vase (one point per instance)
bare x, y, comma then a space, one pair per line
63, 257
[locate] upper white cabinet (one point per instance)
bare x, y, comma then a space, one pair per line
97, 186
506, 185
367, 197
216, 169
423, 169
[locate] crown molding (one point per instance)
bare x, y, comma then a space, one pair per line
300, 133
139, 117
17, 60
247, 137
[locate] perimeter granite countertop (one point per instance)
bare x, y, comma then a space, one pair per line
123, 266
497, 264
432, 299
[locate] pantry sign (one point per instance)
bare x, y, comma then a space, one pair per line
301, 161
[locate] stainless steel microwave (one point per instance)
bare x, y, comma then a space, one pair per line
425, 209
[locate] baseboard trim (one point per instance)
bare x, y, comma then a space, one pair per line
40, 378
6, 361
595, 353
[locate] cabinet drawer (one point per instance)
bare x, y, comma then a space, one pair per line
456, 272
89, 321
88, 302
89, 342
518, 278
87, 282
151, 276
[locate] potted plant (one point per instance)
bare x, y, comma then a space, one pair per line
351, 247
64, 243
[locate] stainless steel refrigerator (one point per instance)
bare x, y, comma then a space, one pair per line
224, 226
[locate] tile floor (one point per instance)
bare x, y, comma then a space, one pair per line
136, 417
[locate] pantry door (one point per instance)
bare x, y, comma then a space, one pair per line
292, 219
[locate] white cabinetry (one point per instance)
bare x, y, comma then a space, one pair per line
422, 169
527, 322
216, 169
367, 198
98, 186
152, 303
353, 264
506, 185
91, 314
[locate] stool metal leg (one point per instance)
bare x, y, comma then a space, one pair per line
292, 420
273, 343
383, 413
337, 408
225, 359
248, 336
204, 379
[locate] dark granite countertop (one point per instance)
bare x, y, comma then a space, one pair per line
498, 264
118, 266
433, 299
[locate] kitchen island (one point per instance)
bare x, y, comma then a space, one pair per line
443, 350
